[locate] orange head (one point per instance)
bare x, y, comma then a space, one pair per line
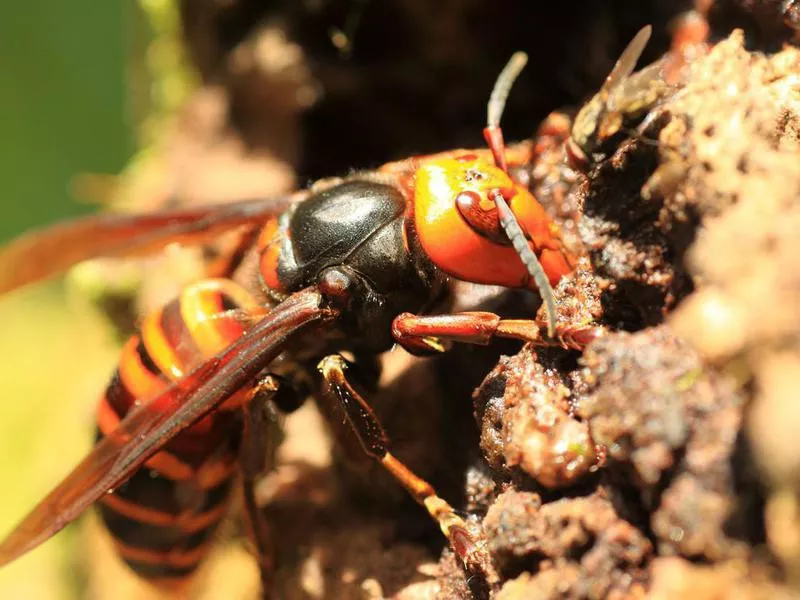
458, 223
477, 224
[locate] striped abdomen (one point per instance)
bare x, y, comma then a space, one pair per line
163, 519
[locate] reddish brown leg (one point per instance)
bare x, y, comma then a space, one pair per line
253, 455
427, 334
370, 433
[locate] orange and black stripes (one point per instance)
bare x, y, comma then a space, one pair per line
270, 244
164, 517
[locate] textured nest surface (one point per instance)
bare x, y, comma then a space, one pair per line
659, 463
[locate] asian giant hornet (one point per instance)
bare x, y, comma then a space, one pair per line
349, 265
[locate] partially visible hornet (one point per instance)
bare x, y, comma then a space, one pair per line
627, 99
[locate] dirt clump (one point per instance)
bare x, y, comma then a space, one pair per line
529, 428
670, 429
578, 546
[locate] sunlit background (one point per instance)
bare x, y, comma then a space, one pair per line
66, 108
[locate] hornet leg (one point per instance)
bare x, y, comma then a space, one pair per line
428, 334
372, 437
253, 460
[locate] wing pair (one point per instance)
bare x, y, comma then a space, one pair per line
143, 432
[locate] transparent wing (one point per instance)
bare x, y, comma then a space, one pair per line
46, 252
627, 60
144, 431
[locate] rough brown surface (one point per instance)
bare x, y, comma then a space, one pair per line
529, 427
579, 546
670, 429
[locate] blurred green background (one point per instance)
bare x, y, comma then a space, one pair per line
64, 110
62, 104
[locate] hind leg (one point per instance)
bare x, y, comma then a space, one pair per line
253, 455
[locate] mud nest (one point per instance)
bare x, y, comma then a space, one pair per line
658, 463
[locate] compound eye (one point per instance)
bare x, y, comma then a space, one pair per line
480, 213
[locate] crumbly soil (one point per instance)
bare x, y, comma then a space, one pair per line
658, 463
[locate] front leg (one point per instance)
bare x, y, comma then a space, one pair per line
428, 334
366, 427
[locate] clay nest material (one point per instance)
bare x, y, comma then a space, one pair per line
658, 463
693, 406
